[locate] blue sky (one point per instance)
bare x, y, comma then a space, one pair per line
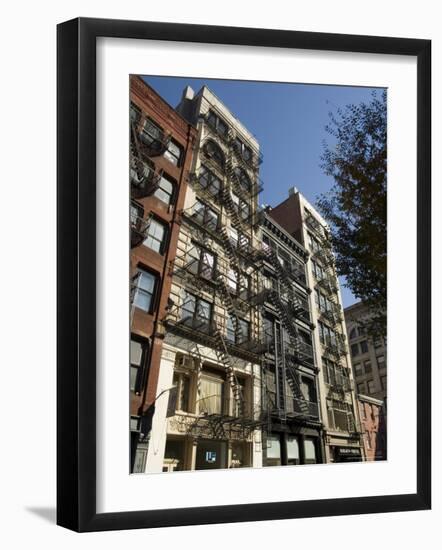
289, 122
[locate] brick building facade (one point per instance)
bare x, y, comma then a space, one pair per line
160, 157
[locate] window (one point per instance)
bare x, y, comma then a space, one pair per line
340, 415
151, 132
205, 215
268, 243
358, 369
381, 361
269, 329
217, 123
235, 200
361, 388
307, 387
318, 272
244, 285
243, 150
273, 451
135, 113
244, 330
196, 309
244, 210
313, 243
213, 151
137, 359
211, 392
165, 190
384, 382
371, 386
378, 342
240, 336
354, 350
136, 214
202, 262
367, 367
364, 346
292, 450
240, 205
145, 290
230, 330
232, 280
173, 153
233, 236
182, 382
243, 179
209, 181
309, 451
156, 236
353, 333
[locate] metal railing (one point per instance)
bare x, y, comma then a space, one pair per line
138, 225
206, 331
313, 224
227, 408
143, 178
291, 406
327, 283
324, 255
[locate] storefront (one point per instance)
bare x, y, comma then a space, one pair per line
205, 454
289, 449
211, 455
346, 454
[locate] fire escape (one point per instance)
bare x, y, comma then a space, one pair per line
144, 179
193, 330
289, 307
334, 344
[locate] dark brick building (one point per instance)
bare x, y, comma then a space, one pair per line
161, 146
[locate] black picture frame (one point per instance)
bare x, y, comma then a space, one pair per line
76, 274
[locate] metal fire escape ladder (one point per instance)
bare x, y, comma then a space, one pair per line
146, 181
286, 317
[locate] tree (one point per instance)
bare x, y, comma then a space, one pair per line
356, 206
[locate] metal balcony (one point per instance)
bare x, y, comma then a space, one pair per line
296, 407
153, 146
216, 131
202, 222
333, 316
328, 283
205, 190
138, 225
324, 255
143, 178
301, 354
335, 348
314, 225
208, 332
253, 162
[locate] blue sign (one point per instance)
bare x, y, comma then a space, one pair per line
211, 457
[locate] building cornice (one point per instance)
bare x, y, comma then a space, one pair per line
284, 236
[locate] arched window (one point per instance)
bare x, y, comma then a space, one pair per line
214, 151
243, 179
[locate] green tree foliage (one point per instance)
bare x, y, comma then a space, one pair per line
356, 206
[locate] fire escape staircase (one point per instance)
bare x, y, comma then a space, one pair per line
144, 180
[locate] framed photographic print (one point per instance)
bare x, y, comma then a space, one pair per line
243, 263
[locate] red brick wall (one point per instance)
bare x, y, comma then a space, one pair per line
144, 324
288, 215
373, 428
